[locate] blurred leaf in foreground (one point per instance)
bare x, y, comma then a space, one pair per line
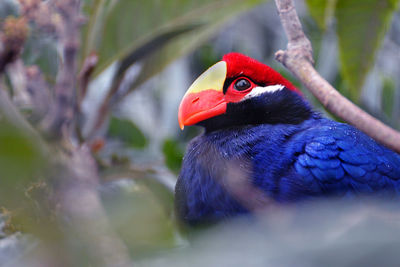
330, 233
20, 161
138, 216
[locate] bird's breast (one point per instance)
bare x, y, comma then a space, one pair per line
219, 171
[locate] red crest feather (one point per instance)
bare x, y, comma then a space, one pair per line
241, 65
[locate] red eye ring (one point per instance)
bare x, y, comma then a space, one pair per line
242, 84
233, 94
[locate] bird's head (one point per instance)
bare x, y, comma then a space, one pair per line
240, 91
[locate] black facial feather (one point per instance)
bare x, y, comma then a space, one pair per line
283, 106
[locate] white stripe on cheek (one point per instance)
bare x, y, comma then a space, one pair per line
260, 90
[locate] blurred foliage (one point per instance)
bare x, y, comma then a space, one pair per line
41, 50
41, 47
138, 215
8, 8
388, 96
154, 31
361, 27
127, 132
173, 153
116, 28
322, 11
24, 193
20, 163
204, 57
330, 233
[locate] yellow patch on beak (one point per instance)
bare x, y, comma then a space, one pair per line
213, 78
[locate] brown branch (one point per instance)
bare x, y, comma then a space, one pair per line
74, 167
12, 35
74, 171
39, 92
83, 82
84, 76
81, 206
59, 120
298, 59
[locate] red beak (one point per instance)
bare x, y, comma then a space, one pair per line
204, 98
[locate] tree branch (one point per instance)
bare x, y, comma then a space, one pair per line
38, 91
12, 36
74, 169
80, 203
58, 122
84, 76
298, 59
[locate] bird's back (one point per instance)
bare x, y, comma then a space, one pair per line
332, 159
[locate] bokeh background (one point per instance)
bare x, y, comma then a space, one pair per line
149, 53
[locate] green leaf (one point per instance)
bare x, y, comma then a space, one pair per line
127, 132
20, 162
147, 51
322, 11
117, 28
138, 215
173, 154
388, 96
361, 27
41, 50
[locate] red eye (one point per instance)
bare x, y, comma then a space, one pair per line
238, 89
242, 84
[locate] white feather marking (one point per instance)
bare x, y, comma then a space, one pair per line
260, 90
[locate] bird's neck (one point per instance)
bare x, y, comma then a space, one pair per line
281, 108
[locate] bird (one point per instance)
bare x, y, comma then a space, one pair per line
264, 144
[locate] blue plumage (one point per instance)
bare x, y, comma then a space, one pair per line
288, 162
274, 147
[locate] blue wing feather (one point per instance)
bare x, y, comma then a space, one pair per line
341, 158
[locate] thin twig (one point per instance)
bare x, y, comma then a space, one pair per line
85, 75
298, 59
83, 82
